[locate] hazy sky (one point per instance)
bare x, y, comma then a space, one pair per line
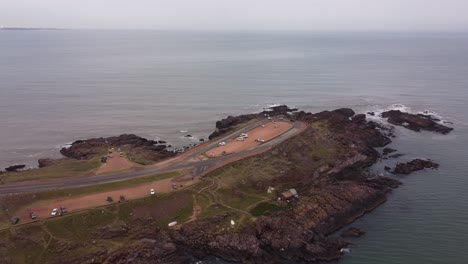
239, 14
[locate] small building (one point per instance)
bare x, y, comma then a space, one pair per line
289, 195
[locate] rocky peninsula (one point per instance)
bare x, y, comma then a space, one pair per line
242, 212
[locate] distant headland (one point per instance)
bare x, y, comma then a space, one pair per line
28, 28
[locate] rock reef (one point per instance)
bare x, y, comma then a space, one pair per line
416, 122
14, 168
414, 165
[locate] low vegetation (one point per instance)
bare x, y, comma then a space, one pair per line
16, 203
93, 231
62, 168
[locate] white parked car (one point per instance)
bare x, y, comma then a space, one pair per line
260, 140
240, 139
222, 143
244, 135
152, 191
54, 212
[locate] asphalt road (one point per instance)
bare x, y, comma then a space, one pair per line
186, 161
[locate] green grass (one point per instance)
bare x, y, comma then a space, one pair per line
63, 168
27, 244
137, 158
23, 244
266, 208
80, 225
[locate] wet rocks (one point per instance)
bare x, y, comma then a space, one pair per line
414, 165
415, 122
387, 151
14, 168
352, 232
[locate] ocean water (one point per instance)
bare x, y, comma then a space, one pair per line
60, 86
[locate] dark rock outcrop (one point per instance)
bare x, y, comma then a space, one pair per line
415, 122
15, 168
387, 151
352, 232
46, 162
394, 156
414, 165
90, 148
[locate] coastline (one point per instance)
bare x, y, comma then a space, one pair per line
341, 186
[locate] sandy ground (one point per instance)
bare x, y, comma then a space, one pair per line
43, 209
116, 163
268, 132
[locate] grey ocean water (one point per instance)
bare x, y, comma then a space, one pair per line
59, 86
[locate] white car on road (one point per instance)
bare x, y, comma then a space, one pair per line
222, 143
54, 212
152, 191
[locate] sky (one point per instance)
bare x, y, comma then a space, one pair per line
316, 15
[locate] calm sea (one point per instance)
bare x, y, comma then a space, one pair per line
60, 86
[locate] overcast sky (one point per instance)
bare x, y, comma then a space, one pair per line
353, 15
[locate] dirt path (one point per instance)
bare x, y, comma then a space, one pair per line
116, 163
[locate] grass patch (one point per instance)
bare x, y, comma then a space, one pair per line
80, 225
133, 156
23, 244
63, 168
266, 208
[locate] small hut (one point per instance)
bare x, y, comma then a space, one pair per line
289, 195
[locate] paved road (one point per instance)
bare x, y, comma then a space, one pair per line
185, 161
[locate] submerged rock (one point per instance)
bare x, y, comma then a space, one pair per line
352, 232
387, 151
